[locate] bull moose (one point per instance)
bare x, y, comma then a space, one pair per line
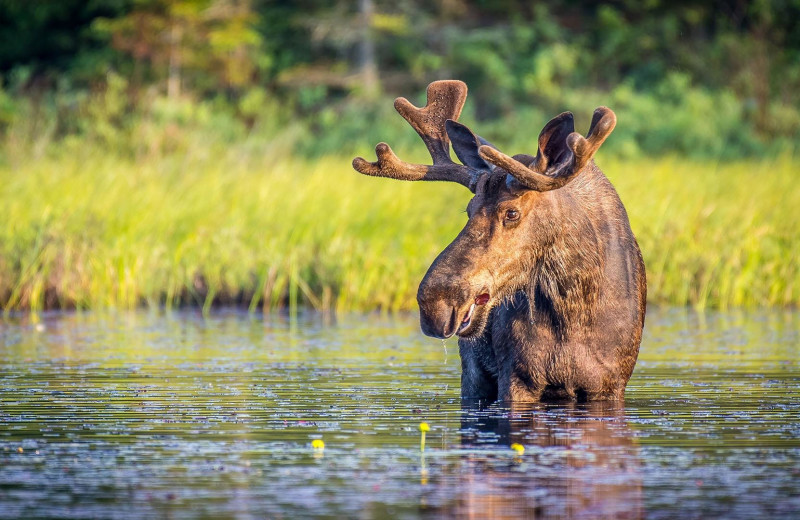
545, 285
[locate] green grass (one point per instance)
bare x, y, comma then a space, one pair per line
87, 228
715, 234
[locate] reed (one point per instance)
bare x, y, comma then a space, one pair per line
87, 228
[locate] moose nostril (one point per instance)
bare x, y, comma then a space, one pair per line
450, 328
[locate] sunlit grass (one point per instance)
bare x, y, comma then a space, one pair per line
715, 234
89, 229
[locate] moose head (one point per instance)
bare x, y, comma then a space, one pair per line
519, 214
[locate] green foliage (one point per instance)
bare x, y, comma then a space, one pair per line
48, 37
702, 80
198, 221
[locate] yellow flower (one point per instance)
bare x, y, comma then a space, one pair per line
317, 444
423, 427
519, 448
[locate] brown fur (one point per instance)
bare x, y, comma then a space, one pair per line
568, 295
549, 246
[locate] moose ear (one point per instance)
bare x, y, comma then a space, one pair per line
553, 149
466, 144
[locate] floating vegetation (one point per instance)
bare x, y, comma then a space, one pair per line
423, 429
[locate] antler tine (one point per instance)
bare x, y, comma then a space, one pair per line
391, 166
603, 122
583, 149
528, 176
445, 101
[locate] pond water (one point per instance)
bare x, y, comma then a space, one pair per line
153, 414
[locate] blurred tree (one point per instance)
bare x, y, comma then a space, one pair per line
188, 41
322, 60
46, 37
367, 61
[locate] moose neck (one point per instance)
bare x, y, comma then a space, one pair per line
565, 280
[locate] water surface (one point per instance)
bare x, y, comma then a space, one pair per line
153, 414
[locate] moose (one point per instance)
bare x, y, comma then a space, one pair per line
545, 285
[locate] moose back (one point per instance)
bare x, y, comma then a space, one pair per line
545, 285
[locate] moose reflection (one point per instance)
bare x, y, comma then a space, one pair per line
581, 461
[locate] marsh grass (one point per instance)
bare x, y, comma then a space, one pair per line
86, 228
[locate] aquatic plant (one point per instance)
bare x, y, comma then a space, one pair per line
423, 428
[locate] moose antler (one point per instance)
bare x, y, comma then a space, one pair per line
445, 101
549, 172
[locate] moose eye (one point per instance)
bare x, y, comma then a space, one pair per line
511, 215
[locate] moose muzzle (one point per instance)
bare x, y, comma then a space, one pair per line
446, 309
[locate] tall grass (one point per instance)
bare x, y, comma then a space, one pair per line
715, 234
87, 228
